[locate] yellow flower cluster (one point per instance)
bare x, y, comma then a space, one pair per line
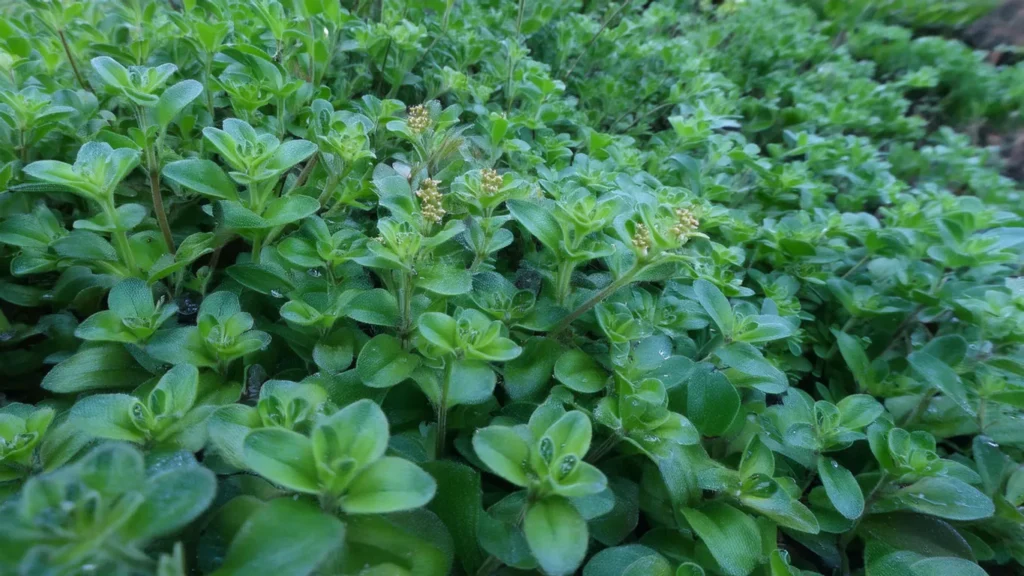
430, 200
490, 181
419, 119
685, 224
642, 238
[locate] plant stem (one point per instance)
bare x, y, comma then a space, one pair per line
121, 244
22, 147
153, 166
811, 475
304, 175
856, 266
848, 536
312, 51
405, 288
257, 247
835, 345
914, 414
492, 563
596, 299
564, 279
511, 66
442, 411
606, 446
71, 60
594, 38
158, 205
208, 67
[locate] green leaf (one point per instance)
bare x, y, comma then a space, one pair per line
749, 368
333, 352
629, 560
289, 154
707, 399
859, 410
716, 306
181, 346
852, 351
926, 535
842, 488
557, 535
302, 536
383, 362
88, 246
539, 220
767, 497
907, 563
504, 452
175, 99
471, 382
288, 209
131, 298
112, 73
528, 375
202, 176
107, 416
937, 373
580, 372
283, 457
731, 536
1015, 487
388, 485
766, 329
445, 280
757, 459
500, 533
947, 498
173, 499
439, 330
358, 431
457, 503
378, 307
104, 326
100, 367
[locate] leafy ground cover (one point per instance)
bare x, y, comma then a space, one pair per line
439, 287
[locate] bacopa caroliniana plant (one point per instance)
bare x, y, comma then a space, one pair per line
431, 288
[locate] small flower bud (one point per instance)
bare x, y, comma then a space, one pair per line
430, 200
686, 223
490, 181
419, 119
642, 238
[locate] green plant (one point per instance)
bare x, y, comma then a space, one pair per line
664, 288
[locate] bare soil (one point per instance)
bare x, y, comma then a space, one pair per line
1003, 27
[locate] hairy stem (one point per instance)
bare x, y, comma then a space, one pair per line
511, 65
257, 247
71, 60
595, 300
594, 38
442, 411
153, 166
121, 244
914, 414
605, 447
856, 266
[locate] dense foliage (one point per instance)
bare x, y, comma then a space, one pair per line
500, 287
